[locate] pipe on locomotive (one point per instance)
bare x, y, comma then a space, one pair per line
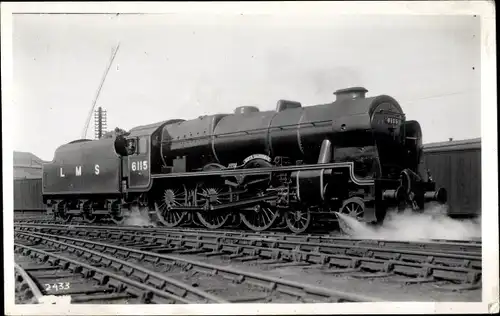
325, 153
440, 196
396, 195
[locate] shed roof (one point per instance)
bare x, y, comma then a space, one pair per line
463, 144
26, 159
27, 165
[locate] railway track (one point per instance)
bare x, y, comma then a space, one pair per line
149, 277
37, 279
449, 246
458, 264
461, 245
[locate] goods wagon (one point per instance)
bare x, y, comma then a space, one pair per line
28, 195
456, 165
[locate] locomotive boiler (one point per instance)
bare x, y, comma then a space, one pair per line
294, 165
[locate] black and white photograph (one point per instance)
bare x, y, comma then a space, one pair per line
286, 157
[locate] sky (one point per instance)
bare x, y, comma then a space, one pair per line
183, 66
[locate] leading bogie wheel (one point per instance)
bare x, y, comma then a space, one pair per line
354, 207
298, 221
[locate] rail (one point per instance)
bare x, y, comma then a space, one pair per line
26, 286
302, 291
450, 266
458, 246
188, 291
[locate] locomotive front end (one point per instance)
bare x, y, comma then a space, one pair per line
403, 181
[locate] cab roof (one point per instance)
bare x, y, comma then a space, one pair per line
148, 130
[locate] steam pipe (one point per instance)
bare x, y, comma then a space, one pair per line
325, 154
398, 194
440, 196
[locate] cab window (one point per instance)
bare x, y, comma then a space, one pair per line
143, 145
131, 146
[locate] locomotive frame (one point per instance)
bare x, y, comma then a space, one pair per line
262, 169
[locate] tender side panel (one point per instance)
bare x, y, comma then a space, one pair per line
83, 168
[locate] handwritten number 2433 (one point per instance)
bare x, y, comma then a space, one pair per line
57, 286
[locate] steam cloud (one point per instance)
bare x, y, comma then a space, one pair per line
138, 217
408, 225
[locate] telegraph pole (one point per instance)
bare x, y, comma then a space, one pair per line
89, 117
100, 122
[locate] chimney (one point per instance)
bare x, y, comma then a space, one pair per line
350, 93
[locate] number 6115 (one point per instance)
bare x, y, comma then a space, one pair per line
139, 165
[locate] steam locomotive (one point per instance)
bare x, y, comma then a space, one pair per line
296, 166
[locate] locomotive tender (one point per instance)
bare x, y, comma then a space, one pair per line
296, 165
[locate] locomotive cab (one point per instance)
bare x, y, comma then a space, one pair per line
121, 146
142, 143
137, 162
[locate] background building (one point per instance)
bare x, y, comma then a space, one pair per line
27, 165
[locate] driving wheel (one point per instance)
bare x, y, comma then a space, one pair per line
298, 221
163, 207
260, 218
214, 196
